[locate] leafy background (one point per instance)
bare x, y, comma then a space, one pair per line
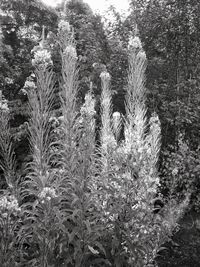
170, 35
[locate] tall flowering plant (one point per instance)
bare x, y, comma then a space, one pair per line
7, 163
69, 90
129, 185
76, 158
41, 103
83, 203
10, 229
40, 188
108, 141
11, 215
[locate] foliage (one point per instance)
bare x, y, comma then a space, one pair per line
80, 202
21, 31
181, 171
91, 42
10, 222
21, 27
173, 67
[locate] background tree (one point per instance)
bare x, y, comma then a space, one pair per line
22, 23
92, 45
169, 31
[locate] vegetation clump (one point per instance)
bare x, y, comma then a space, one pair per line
81, 201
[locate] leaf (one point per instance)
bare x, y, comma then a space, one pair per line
94, 251
100, 246
87, 223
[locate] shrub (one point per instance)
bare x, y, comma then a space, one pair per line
180, 171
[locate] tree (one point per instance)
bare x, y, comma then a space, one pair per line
92, 45
169, 31
22, 26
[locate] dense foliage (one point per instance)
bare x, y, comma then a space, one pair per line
97, 165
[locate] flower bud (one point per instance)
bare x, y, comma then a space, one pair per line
9, 204
64, 26
88, 107
134, 43
47, 193
71, 51
142, 55
42, 58
105, 76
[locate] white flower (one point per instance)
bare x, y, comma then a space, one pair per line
9, 80
116, 123
88, 107
29, 84
175, 171
4, 105
42, 57
9, 204
142, 55
154, 119
64, 26
54, 121
32, 75
116, 114
108, 140
61, 118
23, 91
71, 51
47, 193
94, 65
134, 43
61, 171
105, 76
